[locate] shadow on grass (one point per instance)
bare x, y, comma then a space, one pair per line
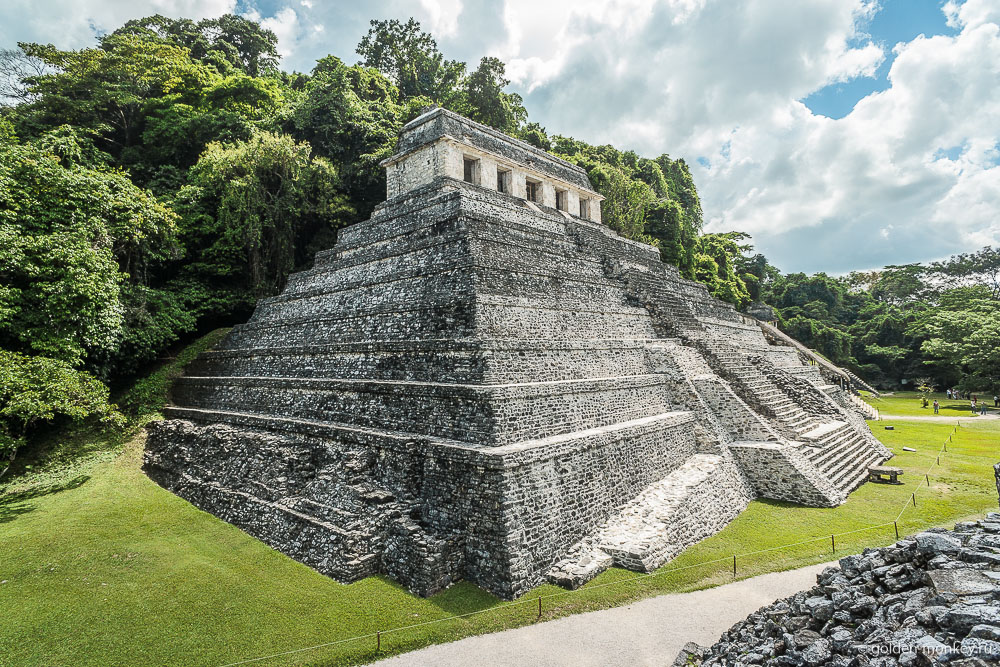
13, 505
963, 409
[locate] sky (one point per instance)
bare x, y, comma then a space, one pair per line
841, 134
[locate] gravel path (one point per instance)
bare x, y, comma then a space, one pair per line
968, 417
649, 632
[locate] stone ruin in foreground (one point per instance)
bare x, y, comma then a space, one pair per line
933, 599
483, 382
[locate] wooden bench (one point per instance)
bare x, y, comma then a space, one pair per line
884, 474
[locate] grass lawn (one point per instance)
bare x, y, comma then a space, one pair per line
909, 403
99, 566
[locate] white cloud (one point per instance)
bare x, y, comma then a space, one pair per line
74, 23
971, 13
721, 80
442, 16
285, 24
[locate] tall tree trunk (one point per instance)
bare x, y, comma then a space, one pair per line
5, 465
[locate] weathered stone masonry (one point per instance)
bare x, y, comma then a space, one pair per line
483, 382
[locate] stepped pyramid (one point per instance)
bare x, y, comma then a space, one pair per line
483, 382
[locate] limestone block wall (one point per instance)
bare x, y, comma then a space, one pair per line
736, 334
739, 421
498, 517
683, 366
463, 362
557, 491
491, 414
779, 471
420, 167
783, 357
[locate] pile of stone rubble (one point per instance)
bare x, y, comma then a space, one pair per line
928, 600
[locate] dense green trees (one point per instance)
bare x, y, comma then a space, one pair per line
935, 320
351, 115
411, 59
37, 389
72, 238
256, 209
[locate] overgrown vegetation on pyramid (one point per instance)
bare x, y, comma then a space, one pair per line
483, 382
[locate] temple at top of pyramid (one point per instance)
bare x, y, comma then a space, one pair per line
483, 382
439, 143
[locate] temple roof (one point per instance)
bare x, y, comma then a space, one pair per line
441, 123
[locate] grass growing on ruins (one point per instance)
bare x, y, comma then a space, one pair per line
102, 567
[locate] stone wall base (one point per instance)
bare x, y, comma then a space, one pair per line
352, 503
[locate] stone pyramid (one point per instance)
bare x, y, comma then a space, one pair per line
483, 382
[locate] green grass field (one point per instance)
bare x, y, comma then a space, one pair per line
99, 566
909, 403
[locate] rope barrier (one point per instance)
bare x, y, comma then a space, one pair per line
640, 577
926, 477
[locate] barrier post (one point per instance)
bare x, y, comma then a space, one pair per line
539, 607
734, 565
913, 496
378, 641
833, 544
896, 526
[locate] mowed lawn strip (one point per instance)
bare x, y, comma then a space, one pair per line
103, 567
910, 403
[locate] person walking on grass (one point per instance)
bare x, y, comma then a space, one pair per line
996, 401
973, 404
936, 406
982, 409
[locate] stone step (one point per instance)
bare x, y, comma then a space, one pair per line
842, 437
851, 482
687, 505
836, 438
790, 412
852, 456
856, 468
824, 430
830, 457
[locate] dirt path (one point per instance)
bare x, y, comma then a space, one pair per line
649, 632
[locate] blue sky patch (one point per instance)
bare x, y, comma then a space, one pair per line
952, 153
896, 21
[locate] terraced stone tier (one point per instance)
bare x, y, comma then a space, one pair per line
469, 361
487, 414
660, 522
